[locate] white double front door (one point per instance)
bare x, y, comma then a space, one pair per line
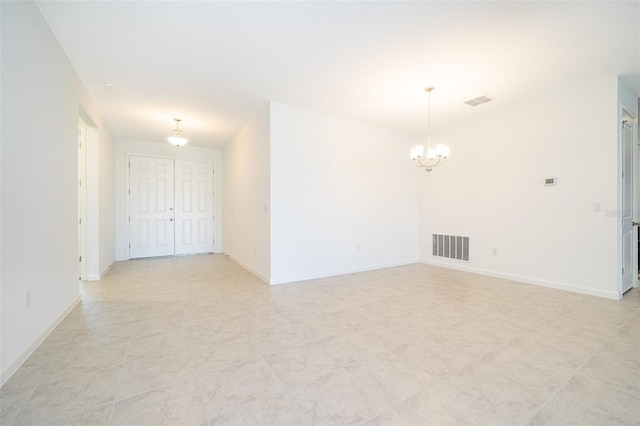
170, 207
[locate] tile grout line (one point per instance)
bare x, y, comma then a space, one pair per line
47, 370
576, 371
198, 385
124, 361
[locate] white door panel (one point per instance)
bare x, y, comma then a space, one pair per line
156, 187
194, 207
151, 198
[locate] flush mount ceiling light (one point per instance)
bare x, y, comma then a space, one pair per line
435, 157
176, 138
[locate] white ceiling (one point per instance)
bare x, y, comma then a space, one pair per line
215, 64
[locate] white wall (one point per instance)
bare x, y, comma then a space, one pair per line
492, 190
247, 196
126, 148
343, 196
41, 100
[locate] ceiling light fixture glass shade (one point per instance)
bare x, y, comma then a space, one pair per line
176, 138
435, 156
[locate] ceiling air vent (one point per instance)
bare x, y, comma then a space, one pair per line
479, 100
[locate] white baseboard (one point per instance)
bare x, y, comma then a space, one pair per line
248, 268
524, 279
106, 270
15, 365
335, 272
96, 277
324, 274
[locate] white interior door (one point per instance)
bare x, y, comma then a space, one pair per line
194, 207
629, 270
151, 197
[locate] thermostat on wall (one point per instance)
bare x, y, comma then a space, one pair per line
550, 181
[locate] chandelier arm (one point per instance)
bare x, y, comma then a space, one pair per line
420, 163
429, 163
438, 161
428, 166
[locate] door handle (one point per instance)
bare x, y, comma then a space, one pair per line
171, 220
635, 223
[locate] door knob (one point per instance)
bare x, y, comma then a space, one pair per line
170, 208
635, 223
171, 220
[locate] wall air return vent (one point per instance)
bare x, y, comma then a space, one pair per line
479, 100
451, 246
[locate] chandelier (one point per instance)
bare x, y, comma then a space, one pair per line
176, 137
435, 156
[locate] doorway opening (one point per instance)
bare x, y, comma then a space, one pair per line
628, 201
88, 197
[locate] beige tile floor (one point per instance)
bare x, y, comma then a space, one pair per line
199, 340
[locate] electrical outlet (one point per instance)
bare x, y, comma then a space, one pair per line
27, 299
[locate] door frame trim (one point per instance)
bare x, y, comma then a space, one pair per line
624, 112
81, 185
